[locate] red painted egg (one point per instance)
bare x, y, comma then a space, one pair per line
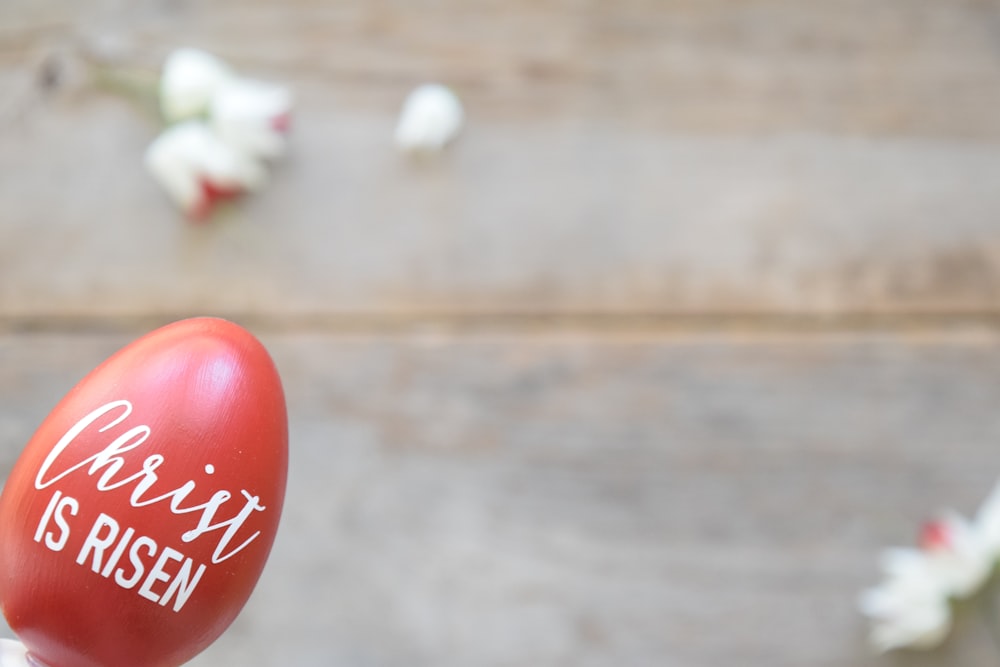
137, 521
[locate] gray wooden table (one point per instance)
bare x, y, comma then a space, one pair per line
698, 314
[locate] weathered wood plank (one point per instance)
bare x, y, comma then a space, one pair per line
539, 218
910, 67
584, 501
627, 157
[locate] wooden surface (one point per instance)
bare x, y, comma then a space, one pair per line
590, 501
699, 313
650, 157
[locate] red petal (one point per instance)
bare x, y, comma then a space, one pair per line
218, 192
935, 535
282, 122
212, 193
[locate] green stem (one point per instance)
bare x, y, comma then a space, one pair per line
990, 611
139, 86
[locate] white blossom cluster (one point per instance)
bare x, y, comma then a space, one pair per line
912, 606
223, 130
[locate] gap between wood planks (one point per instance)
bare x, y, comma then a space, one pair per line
977, 324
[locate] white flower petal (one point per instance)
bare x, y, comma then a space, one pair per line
431, 117
13, 654
963, 564
252, 116
902, 561
906, 611
188, 156
921, 627
987, 521
915, 582
189, 80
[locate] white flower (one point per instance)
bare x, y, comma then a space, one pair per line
907, 609
13, 654
432, 116
198, 169
190, 78
957, 554
229, 126
252, 116
910, 608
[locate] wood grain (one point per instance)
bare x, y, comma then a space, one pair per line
589, 390
591, 501
663, 158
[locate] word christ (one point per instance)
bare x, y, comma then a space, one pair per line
120, 553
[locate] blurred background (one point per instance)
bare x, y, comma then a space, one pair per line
698, 313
